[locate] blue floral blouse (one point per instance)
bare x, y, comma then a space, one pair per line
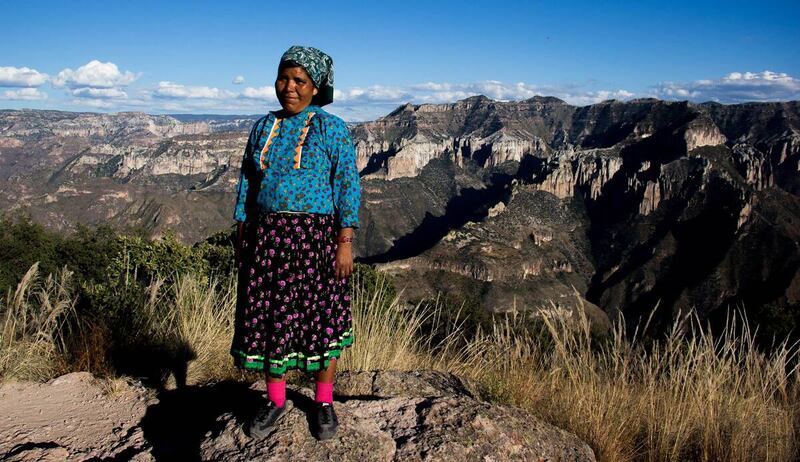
302, 163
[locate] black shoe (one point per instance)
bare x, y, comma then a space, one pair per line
326, 421
264, 419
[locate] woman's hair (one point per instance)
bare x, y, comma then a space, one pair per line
288, 64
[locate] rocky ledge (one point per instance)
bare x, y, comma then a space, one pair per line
383, 416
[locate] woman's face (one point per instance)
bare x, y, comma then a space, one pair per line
294, 89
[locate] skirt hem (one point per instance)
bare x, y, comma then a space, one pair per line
293, 361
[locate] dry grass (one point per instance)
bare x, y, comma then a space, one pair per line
192, 322
389, 335
690, 397
204, 323
34, 327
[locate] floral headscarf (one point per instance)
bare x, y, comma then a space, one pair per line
319, 67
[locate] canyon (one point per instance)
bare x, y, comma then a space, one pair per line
618, 207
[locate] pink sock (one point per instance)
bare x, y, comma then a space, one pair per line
324, 393
277, 392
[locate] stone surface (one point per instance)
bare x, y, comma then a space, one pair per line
403, 416
384, 415
71, 418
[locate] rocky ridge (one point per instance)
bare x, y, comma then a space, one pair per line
661, 197
384, 416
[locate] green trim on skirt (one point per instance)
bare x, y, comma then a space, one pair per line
299, 361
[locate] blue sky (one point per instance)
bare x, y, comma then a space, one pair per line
185, 57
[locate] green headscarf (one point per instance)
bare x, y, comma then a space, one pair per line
319, 67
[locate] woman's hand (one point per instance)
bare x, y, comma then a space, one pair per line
344, 253
344, 260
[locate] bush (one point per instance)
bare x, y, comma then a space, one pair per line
23, 243
144, 260
87, 252
217, 250
371, 280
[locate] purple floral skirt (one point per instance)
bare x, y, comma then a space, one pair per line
292, 311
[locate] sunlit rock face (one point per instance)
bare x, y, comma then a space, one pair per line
618, 205
128, 169
661, 197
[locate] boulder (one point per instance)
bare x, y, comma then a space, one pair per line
383, 416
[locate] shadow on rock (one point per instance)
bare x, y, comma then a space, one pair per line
180, 421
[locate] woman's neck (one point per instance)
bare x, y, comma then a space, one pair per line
283, 113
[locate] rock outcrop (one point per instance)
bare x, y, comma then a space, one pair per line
72, 417
386, 416
529, 253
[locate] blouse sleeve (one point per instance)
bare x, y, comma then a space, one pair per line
239, 213
345, 181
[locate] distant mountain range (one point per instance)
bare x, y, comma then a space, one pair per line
629, 205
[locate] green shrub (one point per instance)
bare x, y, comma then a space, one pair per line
144, 260
217, 250
23, 243
371, 280
86, 252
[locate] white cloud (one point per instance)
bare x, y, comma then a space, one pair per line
24, 94
96, 104
445, 96
374, 94
371, 102
440, 92
378, 100
594, 97
432, 86
99, 93
505, 91
94, 74
736, 87
266, 93
21, 77
178, 91
102, 85
238, 80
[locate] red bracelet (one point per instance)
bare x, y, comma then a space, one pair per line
345, 239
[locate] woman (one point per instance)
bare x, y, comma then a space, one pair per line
296, 209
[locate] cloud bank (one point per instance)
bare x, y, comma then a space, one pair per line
21, 77
178, 91
736, 87
24, 94
104, 85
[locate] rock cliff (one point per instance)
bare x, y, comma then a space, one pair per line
661, 194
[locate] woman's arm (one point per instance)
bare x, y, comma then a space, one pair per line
346, 194
345, 180
239, 211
